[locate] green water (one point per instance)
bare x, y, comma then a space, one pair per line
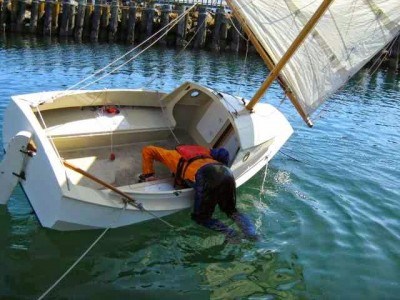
329, 221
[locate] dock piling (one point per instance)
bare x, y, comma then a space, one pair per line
123, 27
113, 26
56, 15
64, 19
130, 37
94, 34
20, 16
216, 37
13, 15
80, 21
87, 23
200, 39
165, 12
104, 21
71, 17
3, 15
181, 28
235, 37
395, 55
47, 26
33, 23
224, 31
147, 21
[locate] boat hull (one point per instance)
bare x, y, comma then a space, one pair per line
63, 202
157, 201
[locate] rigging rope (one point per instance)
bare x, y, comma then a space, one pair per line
238, 31
293, 158
383, 56
167, 119
180, 52
172, 24
94, 243
140, 206
262, 190
244, 68
81, 257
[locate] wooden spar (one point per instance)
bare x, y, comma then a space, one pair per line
289, 53
268, 61
128, 198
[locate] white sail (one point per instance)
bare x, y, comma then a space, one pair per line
348, 35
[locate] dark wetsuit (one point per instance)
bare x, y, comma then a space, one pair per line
215, 185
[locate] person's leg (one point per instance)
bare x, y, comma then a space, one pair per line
227, 204
152, 153
205, 202
225, 192
149, 155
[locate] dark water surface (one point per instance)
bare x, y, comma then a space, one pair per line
330, 224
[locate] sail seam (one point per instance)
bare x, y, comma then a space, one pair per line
381, 16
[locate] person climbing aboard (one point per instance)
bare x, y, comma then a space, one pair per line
208, 173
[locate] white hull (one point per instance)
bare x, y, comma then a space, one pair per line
63, 200
157, 198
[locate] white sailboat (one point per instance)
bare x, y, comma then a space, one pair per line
76, 153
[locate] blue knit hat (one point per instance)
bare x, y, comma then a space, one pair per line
221, 155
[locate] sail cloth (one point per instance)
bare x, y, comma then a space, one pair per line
347, 36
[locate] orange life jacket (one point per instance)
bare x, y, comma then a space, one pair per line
189, 153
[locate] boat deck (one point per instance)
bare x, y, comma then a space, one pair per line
122, 171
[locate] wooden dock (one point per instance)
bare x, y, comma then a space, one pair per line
208, 27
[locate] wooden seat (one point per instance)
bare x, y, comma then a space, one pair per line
76, 121
90, 127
